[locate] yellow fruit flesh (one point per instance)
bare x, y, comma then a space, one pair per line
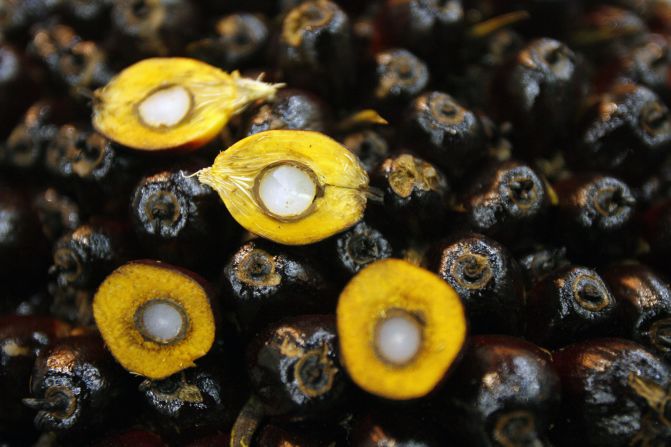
341, 178
382, 289
215, 96
126, 290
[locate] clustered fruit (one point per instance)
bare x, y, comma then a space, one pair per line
318, 223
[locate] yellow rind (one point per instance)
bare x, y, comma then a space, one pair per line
216, 96
124, 291
342, 205
396, 284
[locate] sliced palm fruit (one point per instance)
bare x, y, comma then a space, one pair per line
156, 319
168, 103
290, 186
400, 329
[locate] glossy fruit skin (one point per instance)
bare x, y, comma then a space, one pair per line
657, 233
238, 42
352, 250
601, 404
570, 304
382, 427
654, 187
419, 25
290, 109
516, 408
100, 173
541, 261
22, 338
553, 18
598, 212
603, 21
71, 60
507, 201
65, 141
178, 219
486, 277
315, 49
56, 212
89, 16
81, 259
646, 63
294, 368
444, 132
370, 147
263, 281
22, 245
81, 370
537, 91
16, 87
27, 143
480, 60
398, 77
20, 15
644, 305
150, 28
656, 17
27, 302
416, 192
625, 130
195, 401
100, 165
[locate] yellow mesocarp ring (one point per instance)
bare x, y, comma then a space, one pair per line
289, 186
168, 103
156, 319
400, 329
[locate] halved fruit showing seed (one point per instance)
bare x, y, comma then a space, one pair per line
168, 103
400, 329
292, 187
156, 319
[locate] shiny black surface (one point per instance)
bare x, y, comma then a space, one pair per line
294, 368
505, 392
611, 392
488, 280
445, 132
570, 304
263, 281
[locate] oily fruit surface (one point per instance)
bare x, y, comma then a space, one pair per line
378, 290
208, 95
127, 289
339, 204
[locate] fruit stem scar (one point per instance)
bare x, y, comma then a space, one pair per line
314, 372
58, 401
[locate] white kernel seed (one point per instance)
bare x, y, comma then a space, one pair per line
162, 321
398, 339
165, 107
287, 191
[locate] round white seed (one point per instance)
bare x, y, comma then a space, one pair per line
398, 339
162, 321
287, 191
165, 107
